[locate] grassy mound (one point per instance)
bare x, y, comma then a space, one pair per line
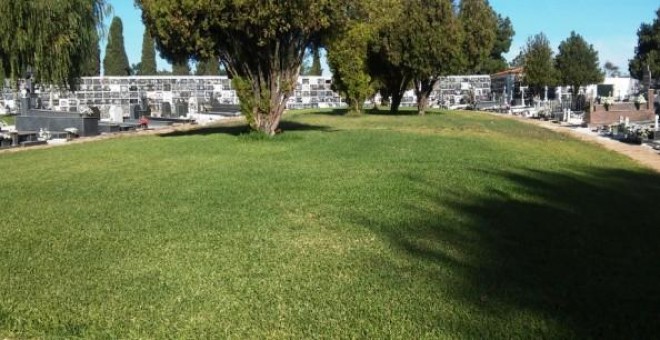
449, 225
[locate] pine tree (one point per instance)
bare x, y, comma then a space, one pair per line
148, 62
116, 61
577, 63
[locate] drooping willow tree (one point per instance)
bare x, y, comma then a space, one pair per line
54, 38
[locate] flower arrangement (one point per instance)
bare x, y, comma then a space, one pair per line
639, 101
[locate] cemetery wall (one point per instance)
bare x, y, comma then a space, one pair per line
598, 115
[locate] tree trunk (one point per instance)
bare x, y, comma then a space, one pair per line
423, 89
396, 102
264, 91
422, 104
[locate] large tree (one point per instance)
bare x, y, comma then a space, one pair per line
148, 65
92, 65
347, 49
420, 50
480, 33
53, 38
385, 64
538, 63
260, 43
430, 46
115, 62
347, 58
503, 38
647, 52
577, 63
435, 45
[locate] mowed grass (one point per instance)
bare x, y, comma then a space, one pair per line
9, 120
453, 225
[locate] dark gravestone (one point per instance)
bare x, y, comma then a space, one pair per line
145, 109
181, 109
166, 110
87, 124
135, 111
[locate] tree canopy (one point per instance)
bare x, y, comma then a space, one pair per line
181, 68
348, 47
577, 63
539, 63
432, 45
647, 51
148, 65
115, 62
480, 28
208, 67
92, 65
260, 43
503, 39
347, 58
53, 38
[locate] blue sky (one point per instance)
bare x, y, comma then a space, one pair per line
610, 25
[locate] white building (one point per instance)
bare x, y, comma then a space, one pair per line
620, 88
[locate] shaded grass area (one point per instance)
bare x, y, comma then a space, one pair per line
450, 225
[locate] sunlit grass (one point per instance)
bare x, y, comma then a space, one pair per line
450, 225
8, 120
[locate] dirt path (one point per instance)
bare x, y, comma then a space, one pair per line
642, 154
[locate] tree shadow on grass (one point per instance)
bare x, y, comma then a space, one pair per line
581, 249
332, 112
404, 111
237, 129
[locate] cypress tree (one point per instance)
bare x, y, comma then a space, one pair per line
316, 69
116, 61
148, 62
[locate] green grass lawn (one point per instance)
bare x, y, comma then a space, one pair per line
9, 120
452, 225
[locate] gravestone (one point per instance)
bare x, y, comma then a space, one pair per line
193, 106
135, 111
166, 110
181, 108
116, 114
